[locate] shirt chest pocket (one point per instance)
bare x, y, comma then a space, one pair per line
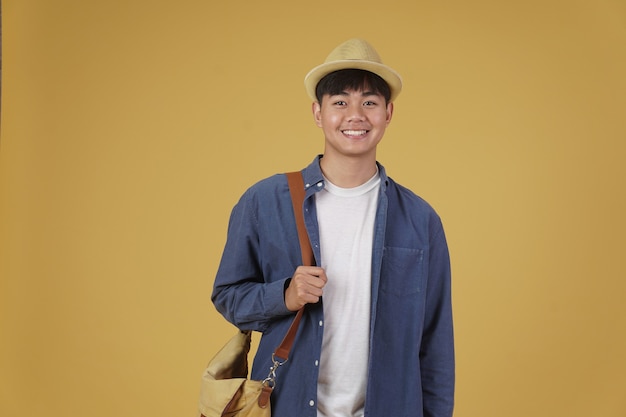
402, 271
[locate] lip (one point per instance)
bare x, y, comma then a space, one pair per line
355, 133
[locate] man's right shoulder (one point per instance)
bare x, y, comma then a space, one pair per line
268, 184
266, 187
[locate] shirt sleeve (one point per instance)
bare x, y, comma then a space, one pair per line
240, 292
437, 351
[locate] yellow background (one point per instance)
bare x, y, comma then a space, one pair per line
131, 127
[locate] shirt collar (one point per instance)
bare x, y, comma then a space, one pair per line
313, 178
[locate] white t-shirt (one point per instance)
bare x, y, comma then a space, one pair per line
346, 224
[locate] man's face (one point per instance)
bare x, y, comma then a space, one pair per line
353, 122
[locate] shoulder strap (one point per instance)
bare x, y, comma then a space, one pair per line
296, 188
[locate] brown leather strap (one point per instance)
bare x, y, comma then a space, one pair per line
296, 188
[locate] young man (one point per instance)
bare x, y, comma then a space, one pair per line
376, 337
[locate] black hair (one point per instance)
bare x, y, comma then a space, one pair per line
351, 79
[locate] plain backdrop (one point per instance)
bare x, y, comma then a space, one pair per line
131, 127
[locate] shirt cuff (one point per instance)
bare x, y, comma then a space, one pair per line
275, 298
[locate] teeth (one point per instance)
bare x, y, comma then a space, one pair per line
354, 132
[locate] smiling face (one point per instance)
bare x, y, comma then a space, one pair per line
353, 122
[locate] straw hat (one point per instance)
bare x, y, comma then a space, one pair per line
353, 54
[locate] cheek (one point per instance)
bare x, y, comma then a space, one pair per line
385, 118
329, 120
381, 120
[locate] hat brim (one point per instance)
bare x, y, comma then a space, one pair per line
391, 77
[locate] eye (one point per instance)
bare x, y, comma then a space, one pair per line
369, 103
340, 103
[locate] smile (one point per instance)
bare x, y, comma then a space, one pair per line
354, 132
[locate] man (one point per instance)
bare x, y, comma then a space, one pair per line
376, 337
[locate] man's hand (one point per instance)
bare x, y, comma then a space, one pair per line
305, 287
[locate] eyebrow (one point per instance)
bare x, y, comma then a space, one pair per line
363, 93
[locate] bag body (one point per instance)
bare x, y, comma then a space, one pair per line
225, 390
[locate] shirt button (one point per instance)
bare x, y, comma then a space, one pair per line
321, 323
307, 185
317, 363
311, 403
319, 184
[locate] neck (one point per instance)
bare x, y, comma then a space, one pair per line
348, 172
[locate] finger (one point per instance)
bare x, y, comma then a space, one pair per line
322, 276
311, 271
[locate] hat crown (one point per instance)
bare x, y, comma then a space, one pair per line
354, 49
353, 54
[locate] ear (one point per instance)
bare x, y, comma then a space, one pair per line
389, 112
316, 109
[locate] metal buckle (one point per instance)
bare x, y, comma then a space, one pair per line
270, 381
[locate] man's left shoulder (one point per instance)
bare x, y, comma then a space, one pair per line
405, 195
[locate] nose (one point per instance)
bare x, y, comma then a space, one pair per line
356, 114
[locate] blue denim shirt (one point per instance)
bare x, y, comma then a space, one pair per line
411, 364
